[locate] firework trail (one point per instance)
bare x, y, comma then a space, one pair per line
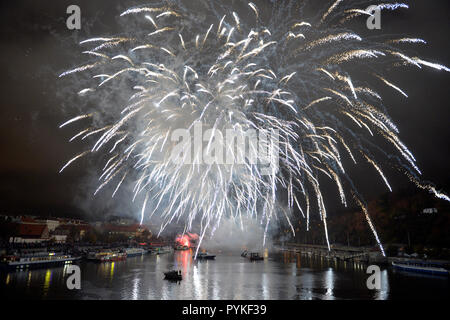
193, 62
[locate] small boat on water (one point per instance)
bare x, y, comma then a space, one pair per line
205, 256
421, 267
106, 256
174, 275
38, 260
133, 252
252, 256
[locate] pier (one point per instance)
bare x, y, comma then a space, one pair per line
336, 252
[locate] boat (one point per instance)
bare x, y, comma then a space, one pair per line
133, 252
161, 250
179, 247
433, 268
205, 256
106, 256
174, 275
254, 256
39, 260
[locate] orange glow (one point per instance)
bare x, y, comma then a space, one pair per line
185, 240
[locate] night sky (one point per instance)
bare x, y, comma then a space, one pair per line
36, 47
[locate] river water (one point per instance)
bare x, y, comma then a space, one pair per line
280, 276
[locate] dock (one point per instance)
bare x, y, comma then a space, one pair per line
338, 253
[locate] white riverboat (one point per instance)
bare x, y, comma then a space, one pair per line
40, 260
106, 256
133, 252
421, 267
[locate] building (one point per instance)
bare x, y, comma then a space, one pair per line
59, 235
130, 231
97, 224
75, 232
30, 232
28, 229
71, 221
52, 224
122, 221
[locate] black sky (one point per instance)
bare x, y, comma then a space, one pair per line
36, 46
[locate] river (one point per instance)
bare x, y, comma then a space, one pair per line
284, 276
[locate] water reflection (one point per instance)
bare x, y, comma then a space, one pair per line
329, 284
183, 260
135, 290
283, 276
197, 285
111, 272
48, 279
29, 279
383, 293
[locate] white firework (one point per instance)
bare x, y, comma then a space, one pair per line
204, 64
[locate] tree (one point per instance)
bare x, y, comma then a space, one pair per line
91, 236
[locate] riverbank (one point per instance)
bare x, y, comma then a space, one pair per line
347, 253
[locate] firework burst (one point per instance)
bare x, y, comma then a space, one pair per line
280, 72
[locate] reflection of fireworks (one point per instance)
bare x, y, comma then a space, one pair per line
239, 73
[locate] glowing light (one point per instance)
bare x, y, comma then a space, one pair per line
47, 280
111, 272
185, 239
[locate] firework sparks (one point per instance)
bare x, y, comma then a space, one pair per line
287, 75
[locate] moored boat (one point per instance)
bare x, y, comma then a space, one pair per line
254, 256
161, 250
41, 260
106, 256
133, 252
180, 247
421, 267
205, 256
